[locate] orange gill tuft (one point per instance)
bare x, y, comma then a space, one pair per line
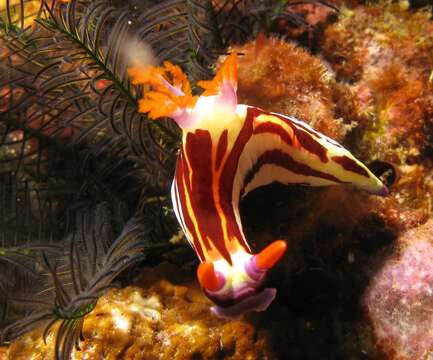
171, 90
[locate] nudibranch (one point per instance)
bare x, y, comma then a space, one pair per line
228, 150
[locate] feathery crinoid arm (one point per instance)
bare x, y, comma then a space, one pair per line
285, 150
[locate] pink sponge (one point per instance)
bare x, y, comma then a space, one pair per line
399, 300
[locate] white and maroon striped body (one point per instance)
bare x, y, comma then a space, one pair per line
229, 150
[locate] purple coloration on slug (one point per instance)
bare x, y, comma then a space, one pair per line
256, 302
253, 271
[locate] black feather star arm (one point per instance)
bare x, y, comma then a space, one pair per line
36, 212
65, 82
193, 33
92, 260
184, 32
34, 209
27, 223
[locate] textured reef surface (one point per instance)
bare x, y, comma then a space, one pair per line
156, 319
357, 279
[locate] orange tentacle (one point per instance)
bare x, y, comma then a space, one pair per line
270, 255
207, 277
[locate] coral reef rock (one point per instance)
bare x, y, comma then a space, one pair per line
382, 52
165, 321
281, 77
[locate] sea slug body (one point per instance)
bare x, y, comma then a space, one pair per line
228, 150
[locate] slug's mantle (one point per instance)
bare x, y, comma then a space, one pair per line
228, 150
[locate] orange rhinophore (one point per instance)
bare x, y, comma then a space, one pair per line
208, 278
270, 255
228, 150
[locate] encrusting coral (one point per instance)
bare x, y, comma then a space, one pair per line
155, 319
